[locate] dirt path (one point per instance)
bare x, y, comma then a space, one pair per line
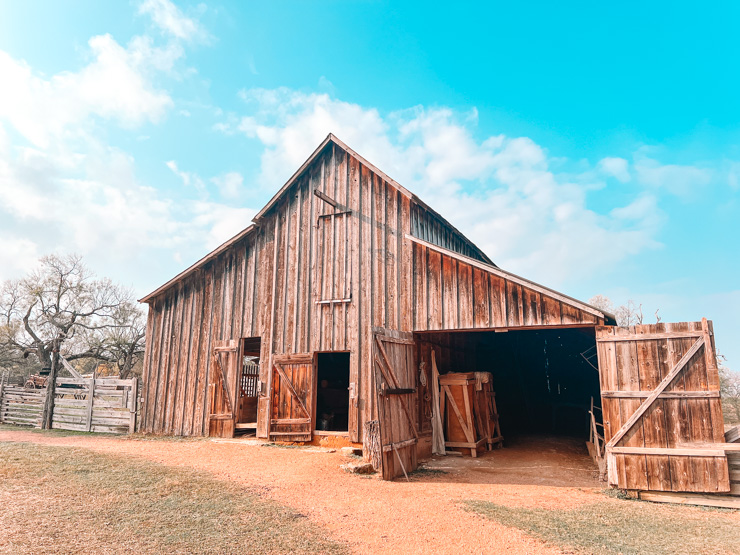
370, 515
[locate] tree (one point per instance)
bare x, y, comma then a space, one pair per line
729, 388
62, 304
629, 314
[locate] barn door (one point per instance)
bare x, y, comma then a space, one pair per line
292, 401
396, 386
222, 389
661, 406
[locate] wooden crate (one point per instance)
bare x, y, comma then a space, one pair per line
468, 406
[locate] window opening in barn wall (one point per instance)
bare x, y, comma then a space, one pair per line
332, 394
248, 387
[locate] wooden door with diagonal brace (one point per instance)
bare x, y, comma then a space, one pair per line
292, 402
395, 377
662, 413
222, 389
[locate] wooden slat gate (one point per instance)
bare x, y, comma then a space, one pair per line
222, 389
292, 401
661, 406
395, 379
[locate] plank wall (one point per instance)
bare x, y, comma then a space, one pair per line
452, 294
217, 302
338, 272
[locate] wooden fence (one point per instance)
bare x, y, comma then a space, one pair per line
21, 406
88, 405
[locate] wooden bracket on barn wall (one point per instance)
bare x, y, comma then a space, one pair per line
642, 450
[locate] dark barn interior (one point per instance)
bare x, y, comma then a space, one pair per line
544, 379
332, 393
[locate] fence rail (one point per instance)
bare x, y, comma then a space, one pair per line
88, 405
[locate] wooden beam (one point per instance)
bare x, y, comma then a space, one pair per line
650, 336
654, 395
326, 198
511, 277
664, 395
69, 367
399, 445
726, 501
335, 301
670, 451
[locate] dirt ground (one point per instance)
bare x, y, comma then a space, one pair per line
373, 516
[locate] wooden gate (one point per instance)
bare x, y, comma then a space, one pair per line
395, 377
292, 402
222, 389
661, 406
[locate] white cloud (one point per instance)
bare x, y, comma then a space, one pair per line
63, 188
500, 191
170, 19
188, 178
615, 167
680, 180
18, 254
230, 184
115, 85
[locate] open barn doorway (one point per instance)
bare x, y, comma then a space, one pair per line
332, 392
545, 380
248, 387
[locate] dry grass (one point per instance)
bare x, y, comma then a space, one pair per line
64, 500
624, 526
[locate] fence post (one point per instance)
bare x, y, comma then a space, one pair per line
132, 405
90, 398
2, 390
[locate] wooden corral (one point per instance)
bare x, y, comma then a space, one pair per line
105, 405
343, 266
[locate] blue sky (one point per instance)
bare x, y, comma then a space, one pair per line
592, 147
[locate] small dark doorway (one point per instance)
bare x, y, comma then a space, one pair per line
246, 410
332, 392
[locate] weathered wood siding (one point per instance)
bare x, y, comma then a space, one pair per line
453, 294
632, 363
215, 303
428, 226
312, 277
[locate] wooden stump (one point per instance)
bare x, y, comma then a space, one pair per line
371, 451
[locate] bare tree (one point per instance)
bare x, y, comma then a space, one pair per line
602, 302
629, 314
62, 305
729, 387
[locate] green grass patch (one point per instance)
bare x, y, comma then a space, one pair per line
63, 500
53, 433
623, 527
424, 472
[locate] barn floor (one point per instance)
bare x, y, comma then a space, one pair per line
528, 460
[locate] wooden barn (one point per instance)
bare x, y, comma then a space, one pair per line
349, 306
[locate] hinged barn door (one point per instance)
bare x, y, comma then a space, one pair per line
292, 402
222, 389
395, 379
661, 406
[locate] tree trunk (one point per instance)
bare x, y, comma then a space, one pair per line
51, 383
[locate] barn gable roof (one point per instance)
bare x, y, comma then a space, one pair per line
484, 263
